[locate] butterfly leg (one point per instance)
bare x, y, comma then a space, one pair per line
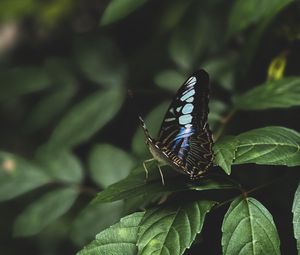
161, 175
145, 167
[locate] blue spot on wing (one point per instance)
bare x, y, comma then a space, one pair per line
180, 143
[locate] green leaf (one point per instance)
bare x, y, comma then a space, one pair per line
169, 79
86, 118
189, 42
136, 184
44, 211
56, 100
246, 13
18, 176
171, 230
119, 9
93, 219
49, 107
264, 146
109, 164
153, 122
248, 228
225, 150
100, 61
61, 165
296, 217
21, 81
120, 238
173, 14
282, 93
221, 70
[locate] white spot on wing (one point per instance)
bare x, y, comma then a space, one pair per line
190, 100
178, 109
171, 111
191, 81
188, 108
185, 119
188, 125
169, 119
187, 95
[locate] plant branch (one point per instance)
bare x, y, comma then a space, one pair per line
246, 193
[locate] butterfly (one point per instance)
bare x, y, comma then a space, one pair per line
185, 140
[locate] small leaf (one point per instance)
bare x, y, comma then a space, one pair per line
100, 61
93, 219
171, 230
264, 146
225, 152
119, 9
109, 164
153, 122
282, 93
120, 238
44, 211
246, 13
296, 217
136, 184
61, 165
21, 81
86, 118
169, 79
248, 228
18, 176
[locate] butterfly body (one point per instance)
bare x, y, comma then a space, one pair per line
185, 140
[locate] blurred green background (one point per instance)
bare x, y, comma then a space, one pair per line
68, 126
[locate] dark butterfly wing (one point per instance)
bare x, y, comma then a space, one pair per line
184, 130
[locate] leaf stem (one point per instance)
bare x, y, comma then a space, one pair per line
246, 193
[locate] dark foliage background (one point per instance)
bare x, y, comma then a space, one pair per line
66, 71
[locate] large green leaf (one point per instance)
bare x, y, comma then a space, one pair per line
22, 80
269, 146
246, 13
109, 164
248, 228
100, 61
44, 211
296, 217
18, 176
136, 184
171, 230
86, 118
90, 221
120, 238
62, 165
118, 9
153, 122
273, 94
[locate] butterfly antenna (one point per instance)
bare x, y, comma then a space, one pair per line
143, 125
